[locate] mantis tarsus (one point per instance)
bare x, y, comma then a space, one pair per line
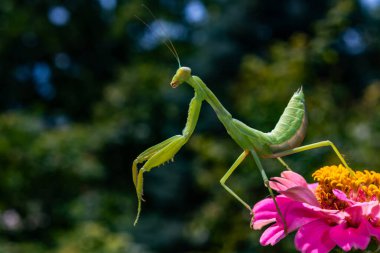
285, 139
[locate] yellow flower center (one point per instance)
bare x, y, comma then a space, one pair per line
359, 186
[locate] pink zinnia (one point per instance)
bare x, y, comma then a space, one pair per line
342, 209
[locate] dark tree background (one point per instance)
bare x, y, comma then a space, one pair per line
85, 88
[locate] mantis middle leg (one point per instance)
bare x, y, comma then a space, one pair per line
283, 163
266, 183
256, 158
223, 180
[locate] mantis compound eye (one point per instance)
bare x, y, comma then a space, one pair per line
182, 74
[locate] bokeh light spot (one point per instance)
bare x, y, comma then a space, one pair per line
108, 4
195, 12
370, 4
159, 31
11, 220
41, 77
372, 7
353, 41
59, 15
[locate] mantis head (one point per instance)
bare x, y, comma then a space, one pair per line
182, 74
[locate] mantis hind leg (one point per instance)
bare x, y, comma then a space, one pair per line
314, 146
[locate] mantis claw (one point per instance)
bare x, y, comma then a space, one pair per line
146, 155
153, 157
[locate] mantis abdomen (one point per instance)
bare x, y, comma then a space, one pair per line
290, 130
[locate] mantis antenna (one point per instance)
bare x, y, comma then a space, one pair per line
166, 40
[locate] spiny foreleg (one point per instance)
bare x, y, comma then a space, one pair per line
164, 151
149, 153
159, 154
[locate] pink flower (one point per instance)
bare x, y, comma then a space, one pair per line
340, 210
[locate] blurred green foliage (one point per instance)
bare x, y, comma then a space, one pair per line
85, 88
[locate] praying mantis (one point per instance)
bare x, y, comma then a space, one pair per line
285, 139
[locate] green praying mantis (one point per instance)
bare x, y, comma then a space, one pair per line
285, 139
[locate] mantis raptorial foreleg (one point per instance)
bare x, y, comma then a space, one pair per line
164, 151
162, 154
148, 154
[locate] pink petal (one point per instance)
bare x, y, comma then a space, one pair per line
372, 211
301, 194
281, 183
374, 231
314, 238
295, 177
264, 205
265, 212
355, 214
272, 235
298, 215
312, 187
287, 180
258, 224
348, 237
342, 196
295, 213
